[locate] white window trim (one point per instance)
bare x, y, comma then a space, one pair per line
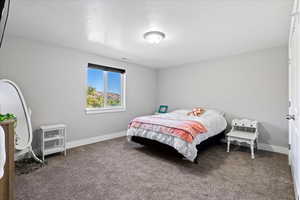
104, 110
107, 109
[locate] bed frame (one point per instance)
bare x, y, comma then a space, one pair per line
163, 147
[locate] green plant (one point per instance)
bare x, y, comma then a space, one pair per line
7, 116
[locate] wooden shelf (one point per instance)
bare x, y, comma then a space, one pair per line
7, 182
7, 122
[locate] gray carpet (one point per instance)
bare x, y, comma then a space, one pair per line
114, 170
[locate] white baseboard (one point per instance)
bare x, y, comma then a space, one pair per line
273, 148
96, 139
77, 143
268, 147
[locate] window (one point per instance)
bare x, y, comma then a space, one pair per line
105, 89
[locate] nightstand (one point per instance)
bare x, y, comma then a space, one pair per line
53, 139
243, 130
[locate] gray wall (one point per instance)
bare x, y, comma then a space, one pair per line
252, 85
53, 81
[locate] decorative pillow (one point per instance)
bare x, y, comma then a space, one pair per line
197, 112
208, 110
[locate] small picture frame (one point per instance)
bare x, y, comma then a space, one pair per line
163, 109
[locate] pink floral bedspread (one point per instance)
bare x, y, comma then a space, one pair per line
185, 129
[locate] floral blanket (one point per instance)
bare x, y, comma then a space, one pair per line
184, 129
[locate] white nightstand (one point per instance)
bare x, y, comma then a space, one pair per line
53, 139
243, 130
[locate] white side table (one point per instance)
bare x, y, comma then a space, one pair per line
53, 139
243, 130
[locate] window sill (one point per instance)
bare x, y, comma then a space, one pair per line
104, 110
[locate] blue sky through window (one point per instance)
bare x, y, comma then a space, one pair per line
114, 82
95, 80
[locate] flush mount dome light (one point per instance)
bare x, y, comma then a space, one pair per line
154, 37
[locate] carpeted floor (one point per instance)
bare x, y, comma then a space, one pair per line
115, 170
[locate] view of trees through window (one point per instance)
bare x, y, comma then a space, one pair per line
97, 90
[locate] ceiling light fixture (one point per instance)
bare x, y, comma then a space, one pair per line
154, 37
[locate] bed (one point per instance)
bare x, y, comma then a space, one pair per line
178, 130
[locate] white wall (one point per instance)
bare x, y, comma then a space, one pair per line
53, 81
252, 85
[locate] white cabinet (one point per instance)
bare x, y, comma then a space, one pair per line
53, 139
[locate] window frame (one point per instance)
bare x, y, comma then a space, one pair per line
106, 108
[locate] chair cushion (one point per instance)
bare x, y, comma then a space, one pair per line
242, 135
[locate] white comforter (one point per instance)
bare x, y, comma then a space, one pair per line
214, 122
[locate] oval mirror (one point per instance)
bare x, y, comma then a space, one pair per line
12, 101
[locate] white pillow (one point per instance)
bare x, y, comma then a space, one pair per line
182, 111
186, 111
215, 110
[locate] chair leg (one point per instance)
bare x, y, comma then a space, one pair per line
228, 144
256, 144
252, 149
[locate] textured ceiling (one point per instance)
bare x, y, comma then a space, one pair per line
195, 30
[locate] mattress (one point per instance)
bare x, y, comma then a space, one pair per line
214, 122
